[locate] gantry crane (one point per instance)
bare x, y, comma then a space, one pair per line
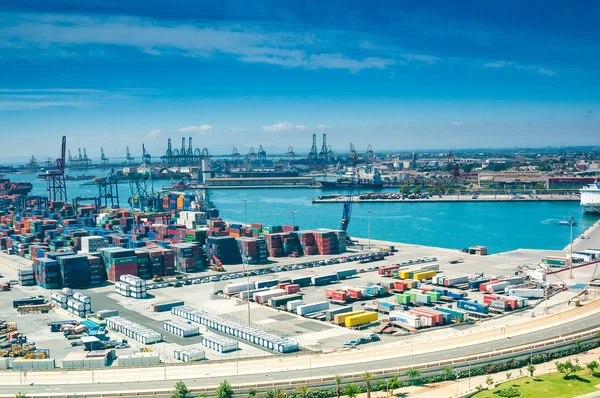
57, 186
347, 212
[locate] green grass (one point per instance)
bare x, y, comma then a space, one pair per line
550, 385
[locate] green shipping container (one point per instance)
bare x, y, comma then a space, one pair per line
124, 260
435, 296
402, 298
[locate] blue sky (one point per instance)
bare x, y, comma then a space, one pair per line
393, 74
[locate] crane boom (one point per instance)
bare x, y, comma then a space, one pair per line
347, 212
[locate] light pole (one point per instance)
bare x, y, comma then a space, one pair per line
245, 213
246, 261
494, 343
369, 228
293, 212
165, 358
571, 259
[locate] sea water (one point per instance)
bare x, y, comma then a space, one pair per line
502, 226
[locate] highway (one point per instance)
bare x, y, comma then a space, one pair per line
284, 368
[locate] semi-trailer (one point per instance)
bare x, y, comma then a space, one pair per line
311, 308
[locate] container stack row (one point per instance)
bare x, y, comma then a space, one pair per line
254, 336
219, 343
131, 286
133, 330
189, 354
181, 328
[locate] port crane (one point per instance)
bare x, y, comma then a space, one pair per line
235, 157
103, 158
128, 158
262, 155
146, 158
313, 156
347, 211
57, 186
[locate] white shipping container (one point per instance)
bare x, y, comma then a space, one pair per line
306, 309
292, 305
528, 293
496, 287
238, 287
181, 329
263, 297
219, 343
411, 320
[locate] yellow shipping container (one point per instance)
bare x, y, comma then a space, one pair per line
361, 319
341, 318
424, 275
404, 274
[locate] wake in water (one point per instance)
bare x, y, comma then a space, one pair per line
551, 221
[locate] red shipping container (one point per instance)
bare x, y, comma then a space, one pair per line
329, 293
483, 286
282, 285
355, 293
339, 296
293, 288
439, 318
400, 286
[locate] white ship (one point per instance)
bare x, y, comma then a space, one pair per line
590, 198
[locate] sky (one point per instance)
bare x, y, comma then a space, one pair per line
397, 75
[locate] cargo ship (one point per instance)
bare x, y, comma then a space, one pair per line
590, 198
341, 184
14, 188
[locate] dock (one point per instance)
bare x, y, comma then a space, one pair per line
397, 198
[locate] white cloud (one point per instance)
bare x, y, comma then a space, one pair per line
286, 126
69, 35
457, 123
324, 127
497, 64
195, 129
153, 134
546, 72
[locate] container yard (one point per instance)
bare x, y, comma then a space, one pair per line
111, 284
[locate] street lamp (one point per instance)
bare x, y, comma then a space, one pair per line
245, 213
293, 212
571, 259
246, 262
369, 228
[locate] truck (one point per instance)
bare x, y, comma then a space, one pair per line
322, 280
37, 300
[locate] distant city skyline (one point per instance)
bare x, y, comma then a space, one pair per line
392, 74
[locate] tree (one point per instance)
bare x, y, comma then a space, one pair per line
303, 391
405, 189
508, 374
202, 395
489, 381
567, 368
279, 393
592, 366
252, 392
351, 390
338, 382
448, 373
394, 383
368, 378
417, 190
451, 191
224, 390
479, 388
181, 390
20, 395
530, 369
413, 374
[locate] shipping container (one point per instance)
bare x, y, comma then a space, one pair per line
346, 273
281, 301
473, 306
361, 319
322, 280
162, 307
528, 293
292, 305
180, 328
307, 309
339, 319
496, 287
219, 343
412, 320
330, 314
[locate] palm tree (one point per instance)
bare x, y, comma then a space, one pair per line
530, 369
279, 393
338, 382
303, 391
592, 366
368, 378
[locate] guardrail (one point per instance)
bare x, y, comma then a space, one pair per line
426, 369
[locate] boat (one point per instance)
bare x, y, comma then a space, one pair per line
14, 188
81, 177
567, 222
341, 184
590, 198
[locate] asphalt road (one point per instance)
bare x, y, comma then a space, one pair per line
579, 325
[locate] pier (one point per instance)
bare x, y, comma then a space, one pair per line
387, 198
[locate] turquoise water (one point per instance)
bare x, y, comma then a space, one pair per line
501, 226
